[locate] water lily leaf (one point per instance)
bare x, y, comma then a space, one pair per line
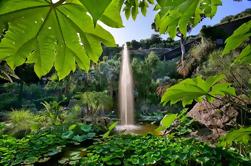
79, 138
67, 135
86, 128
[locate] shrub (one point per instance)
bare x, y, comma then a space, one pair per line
41, 146
152, 150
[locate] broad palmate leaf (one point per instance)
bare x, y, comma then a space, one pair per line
240, 36
176, 15
242, 135
50, 34
197, 89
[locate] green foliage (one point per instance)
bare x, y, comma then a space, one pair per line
234, 73
176, 124
197, 89
40, 146
240, 136
151, 150
152, 60
78, 133
96, 10
239, 37
96, 101
23, 121
53, 112
180, 15
57, 38
132, 7
167, 121
110, 129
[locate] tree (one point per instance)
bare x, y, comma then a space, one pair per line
155, 38
135, 44
67, 40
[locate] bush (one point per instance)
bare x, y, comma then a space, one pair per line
152, 150
43, 145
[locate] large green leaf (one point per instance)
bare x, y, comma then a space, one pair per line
197, 89
111, 16
47, 34
96, 7
240, 36
179, 14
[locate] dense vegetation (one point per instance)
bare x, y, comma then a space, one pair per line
59, 92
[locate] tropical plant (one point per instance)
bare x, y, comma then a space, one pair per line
47, 44
78, 133
197, 89
152, 150
41, 146
53, 112
239, 37
179, 15
241, 135
84, 31
95, 101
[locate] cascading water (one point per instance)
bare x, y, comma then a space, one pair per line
126, 99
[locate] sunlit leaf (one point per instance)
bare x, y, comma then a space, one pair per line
177, 16
239, 37
96, 7
60, 35
189, 90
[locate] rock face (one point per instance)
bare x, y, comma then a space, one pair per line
215, 116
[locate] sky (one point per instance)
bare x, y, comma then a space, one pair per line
141, 28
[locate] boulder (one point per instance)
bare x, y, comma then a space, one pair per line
214, 115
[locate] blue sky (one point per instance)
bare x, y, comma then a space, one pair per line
141, 28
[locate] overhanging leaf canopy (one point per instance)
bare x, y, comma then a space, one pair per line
51, 34
176, 15
240, 36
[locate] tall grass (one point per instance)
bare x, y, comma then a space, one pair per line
23, 121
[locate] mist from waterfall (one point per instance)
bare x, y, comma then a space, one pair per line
126, 98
